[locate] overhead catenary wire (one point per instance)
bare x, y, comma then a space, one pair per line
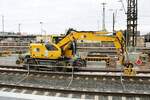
123, 6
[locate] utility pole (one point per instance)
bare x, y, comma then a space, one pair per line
19, 30
98, 27
114, 18
3, 24
103, 24
42, 30
41, 27
113, 23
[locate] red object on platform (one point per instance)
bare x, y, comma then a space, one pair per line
138, 62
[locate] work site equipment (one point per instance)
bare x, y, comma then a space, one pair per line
64, 52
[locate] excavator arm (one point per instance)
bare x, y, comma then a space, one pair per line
77, 35
118, 40
91, 36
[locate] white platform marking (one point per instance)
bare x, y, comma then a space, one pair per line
137, 98
53, 76
131, 79
38, 75
70, 95
34, 92
13, 90
57, 94
3, 89
23, 91
60, 77
78, 78
95, 78
123, 98
140, 80
31, 75
96, 97
46, 93
113, 79
45, 76
83, 96
86, 78
104, 79
109, 97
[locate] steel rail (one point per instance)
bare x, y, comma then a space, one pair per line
75, 74
81, 69
11, 66
110, 70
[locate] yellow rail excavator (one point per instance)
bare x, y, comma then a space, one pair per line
63, 53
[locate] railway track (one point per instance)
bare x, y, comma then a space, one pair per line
83, 69
108, 73
78, 76
85, 86
11, 67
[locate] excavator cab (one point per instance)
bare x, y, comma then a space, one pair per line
45, 51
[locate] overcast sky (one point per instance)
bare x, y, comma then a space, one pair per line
59, 15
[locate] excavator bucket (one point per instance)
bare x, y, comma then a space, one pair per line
129, 70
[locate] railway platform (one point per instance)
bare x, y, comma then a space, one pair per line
20, 96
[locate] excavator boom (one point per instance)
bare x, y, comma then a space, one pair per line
92, 36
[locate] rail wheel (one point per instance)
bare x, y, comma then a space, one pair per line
18, 62
60, 69
60, 66
30, 63
79, 63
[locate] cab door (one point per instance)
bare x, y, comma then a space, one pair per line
52, 51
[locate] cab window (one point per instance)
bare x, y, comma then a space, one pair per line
50, 47
37, 50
